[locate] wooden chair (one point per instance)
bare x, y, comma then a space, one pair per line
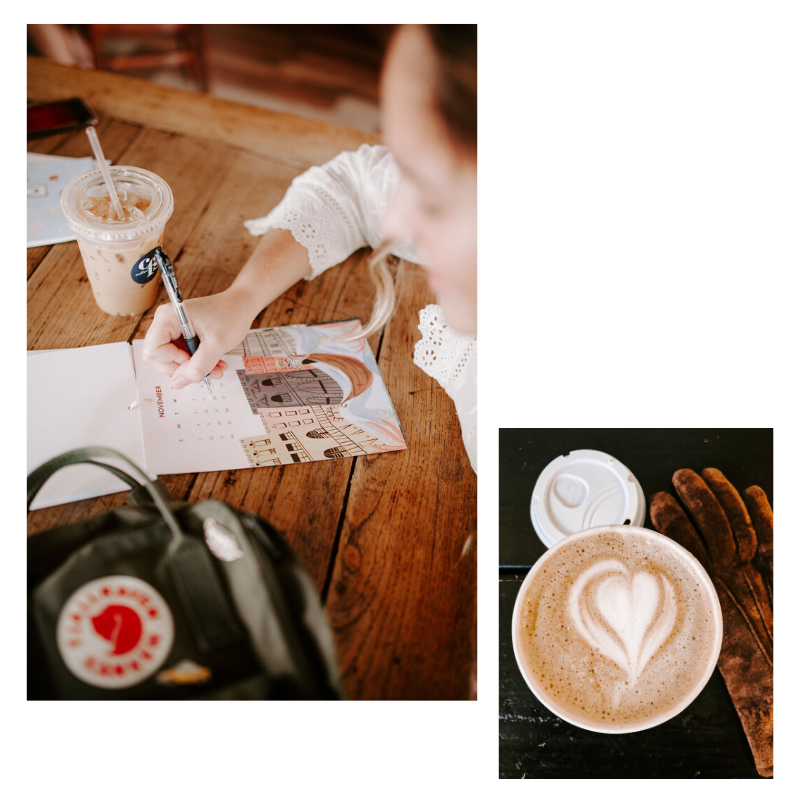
191, 50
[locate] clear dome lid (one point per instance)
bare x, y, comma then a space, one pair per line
143, 191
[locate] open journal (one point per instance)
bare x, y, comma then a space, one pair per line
290, 395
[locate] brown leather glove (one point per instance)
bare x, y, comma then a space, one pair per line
732, 539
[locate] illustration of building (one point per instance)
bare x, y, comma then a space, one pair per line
307, 434
289, 389
266, 342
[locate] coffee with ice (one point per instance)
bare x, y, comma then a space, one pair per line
117, 253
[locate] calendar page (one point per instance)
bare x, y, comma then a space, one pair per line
290, 395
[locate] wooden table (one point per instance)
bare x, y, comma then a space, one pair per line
381, 535
706, 740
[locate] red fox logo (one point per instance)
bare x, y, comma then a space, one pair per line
121, 626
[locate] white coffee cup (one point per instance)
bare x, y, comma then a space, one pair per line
551, 558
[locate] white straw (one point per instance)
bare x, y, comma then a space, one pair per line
98, 154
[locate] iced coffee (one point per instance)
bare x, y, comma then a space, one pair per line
118, 251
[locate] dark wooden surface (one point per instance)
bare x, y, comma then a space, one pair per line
744, 455
381, 535
706, 740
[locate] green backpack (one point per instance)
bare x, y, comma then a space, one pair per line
170, 601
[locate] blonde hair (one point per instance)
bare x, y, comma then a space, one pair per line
381, 264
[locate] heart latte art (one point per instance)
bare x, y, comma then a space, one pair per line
616, 628
625, 617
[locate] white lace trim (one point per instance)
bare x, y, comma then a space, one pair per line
335, 209
442, 353
451, 359
317, 221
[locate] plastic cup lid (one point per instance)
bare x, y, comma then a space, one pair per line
134, 179
582, 490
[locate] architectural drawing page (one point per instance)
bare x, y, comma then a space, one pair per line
290, 395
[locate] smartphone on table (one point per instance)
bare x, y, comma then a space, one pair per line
64, 115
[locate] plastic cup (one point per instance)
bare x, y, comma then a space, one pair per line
118, 254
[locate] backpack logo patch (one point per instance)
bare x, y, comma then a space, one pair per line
114, 632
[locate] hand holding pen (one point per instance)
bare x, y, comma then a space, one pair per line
220, 321
171, 282
172, 337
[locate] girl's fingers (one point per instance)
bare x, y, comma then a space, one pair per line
165, 354
167, 367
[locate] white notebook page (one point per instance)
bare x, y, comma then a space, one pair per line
79, 398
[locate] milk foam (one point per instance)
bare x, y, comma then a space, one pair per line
624, 617
617, 628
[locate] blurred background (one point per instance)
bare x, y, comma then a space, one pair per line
328, 72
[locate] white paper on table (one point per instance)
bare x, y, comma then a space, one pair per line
47, 176
336, 406
79, 397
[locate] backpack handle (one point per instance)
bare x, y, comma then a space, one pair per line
86, 455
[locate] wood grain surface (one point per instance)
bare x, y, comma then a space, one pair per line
382, 535
297, 141
405, 528
652, 454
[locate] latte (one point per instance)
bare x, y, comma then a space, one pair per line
617, 628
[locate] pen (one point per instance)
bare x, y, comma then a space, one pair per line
171, 282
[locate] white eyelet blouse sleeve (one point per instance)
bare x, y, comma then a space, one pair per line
334, 210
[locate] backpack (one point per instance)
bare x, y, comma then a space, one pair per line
170, 601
